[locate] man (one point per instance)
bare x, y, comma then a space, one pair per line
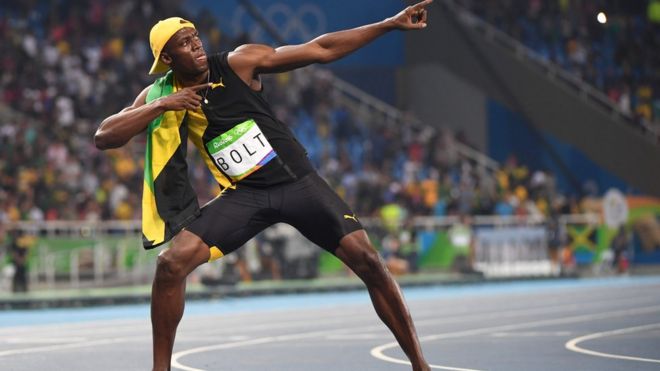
19, 253
263, 171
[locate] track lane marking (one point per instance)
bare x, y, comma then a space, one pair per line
125, 323
572, 344
505, 313
50, 348
451, 319
530, 334
378, 352
42, 340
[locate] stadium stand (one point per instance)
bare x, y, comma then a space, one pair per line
61, 74
619, 56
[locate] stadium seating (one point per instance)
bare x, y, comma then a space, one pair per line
619, 57
61, 74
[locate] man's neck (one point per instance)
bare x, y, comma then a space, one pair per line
185, 80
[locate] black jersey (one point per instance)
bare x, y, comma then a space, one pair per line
243, 139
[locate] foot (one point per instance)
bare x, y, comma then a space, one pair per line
423, 367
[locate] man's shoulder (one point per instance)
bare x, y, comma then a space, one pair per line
217, 56
217, 60
253, 48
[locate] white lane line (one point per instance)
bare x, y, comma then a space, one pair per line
262, 340
29, 340
50, 348
359, 336
209, 339
120, 324
573, 343
283, 324
200, 322
270, 339
176, 356
516, 313
530, 334
83, 326
453, 319
378, 352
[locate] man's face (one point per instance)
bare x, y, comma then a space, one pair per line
184, 52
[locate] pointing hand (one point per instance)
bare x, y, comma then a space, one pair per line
186, 98
412, 17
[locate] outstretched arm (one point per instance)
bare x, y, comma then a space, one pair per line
248, 61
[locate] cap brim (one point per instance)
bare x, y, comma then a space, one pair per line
158, 67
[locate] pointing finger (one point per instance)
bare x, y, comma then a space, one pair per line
199, 87
422, 4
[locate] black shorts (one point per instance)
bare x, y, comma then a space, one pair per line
308, 204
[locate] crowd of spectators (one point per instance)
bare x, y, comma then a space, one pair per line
66, 65
618, 54
373, 164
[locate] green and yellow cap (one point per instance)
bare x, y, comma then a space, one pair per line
160, 34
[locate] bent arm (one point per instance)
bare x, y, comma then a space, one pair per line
118, 129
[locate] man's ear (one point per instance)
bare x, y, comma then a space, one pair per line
166, 58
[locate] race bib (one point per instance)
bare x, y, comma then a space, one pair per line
241, 151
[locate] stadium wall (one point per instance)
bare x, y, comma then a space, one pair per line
442, 99
509, 134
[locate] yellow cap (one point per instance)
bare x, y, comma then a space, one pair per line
160, 34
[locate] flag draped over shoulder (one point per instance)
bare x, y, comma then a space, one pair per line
169, 202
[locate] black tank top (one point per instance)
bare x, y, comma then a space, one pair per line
243, 137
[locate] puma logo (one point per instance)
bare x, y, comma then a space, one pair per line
216, 84
346, 216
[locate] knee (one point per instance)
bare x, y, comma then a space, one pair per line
168, 268
175, 263
369, 266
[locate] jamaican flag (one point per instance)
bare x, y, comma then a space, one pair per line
169, 202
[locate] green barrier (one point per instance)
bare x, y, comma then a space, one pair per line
330, 264
124, 251
441, 254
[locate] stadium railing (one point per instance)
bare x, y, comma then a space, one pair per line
356, 97
79, 254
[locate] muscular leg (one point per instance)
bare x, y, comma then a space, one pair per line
356, 252
167, 295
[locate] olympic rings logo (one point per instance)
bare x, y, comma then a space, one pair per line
295, 25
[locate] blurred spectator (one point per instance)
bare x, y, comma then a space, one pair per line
271, 251
394, 257
461, 236
653, 11
620, 249
568, 262
5, 270
19, 249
